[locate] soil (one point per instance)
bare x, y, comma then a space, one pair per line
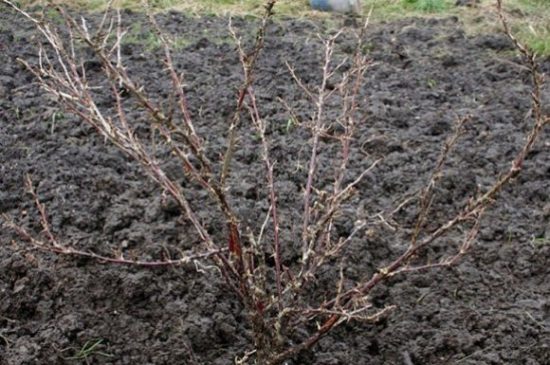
492, 308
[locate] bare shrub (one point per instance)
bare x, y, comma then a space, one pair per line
276, 298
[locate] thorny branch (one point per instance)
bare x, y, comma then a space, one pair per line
476, 206
53, 245
248, 60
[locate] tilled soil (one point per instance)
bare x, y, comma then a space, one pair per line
493, 308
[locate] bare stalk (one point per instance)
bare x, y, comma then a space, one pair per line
426, 194
317, 128
53, 245
248, 60
260, 126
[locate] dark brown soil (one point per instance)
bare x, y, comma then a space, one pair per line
494, 308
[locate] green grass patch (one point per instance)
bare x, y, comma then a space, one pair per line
530, 19
141, 35
428, 6
89, 349
198, 7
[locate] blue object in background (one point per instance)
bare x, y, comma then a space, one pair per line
341, 6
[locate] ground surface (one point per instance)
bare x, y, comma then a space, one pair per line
494, 308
